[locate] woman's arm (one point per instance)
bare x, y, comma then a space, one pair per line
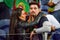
26, 24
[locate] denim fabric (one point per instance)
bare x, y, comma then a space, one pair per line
44, 8
56, 35
44, 2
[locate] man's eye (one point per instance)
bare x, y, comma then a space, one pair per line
35, 8
30, 8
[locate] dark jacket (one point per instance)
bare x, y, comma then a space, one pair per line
23, 29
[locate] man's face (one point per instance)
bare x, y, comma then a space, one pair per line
34, 10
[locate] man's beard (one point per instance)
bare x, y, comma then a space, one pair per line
33, 14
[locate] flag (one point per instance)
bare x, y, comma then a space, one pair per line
23, 4
1, 0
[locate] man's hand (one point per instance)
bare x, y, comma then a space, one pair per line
32, 34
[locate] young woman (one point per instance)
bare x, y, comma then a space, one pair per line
20, 25
18, 15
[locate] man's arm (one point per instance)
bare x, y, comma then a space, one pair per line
26, 24
47, 27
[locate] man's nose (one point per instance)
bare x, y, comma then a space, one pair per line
33, 10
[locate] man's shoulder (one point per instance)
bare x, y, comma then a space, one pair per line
49, 15
42, 14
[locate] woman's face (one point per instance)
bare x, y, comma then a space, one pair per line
23, 15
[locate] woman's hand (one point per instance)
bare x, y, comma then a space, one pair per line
22, 18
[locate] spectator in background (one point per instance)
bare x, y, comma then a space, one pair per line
4, 20
56, 11
44, 6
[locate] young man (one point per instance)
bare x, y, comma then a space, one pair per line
45, 23
35, 14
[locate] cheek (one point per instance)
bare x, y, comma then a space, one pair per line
24, 14
36, 12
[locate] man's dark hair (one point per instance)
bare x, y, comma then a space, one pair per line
34, 3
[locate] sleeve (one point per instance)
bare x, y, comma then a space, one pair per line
26, 24
43, 25
53, 21
42, 20
43, 29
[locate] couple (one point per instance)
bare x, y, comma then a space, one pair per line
36, 22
